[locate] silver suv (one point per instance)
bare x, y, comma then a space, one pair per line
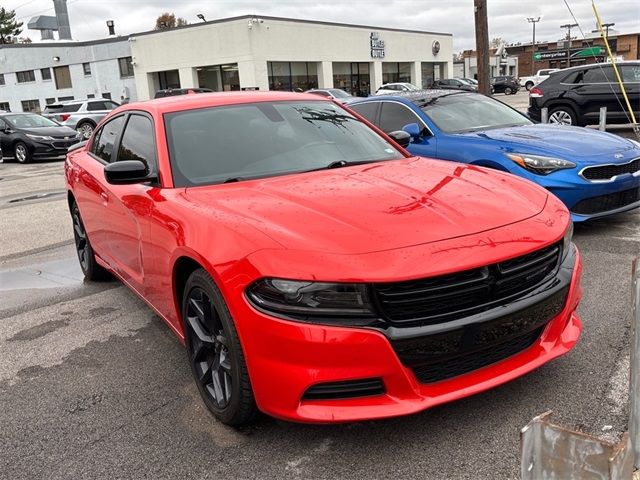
82, 115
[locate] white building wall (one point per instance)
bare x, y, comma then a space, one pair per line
104, 78
252, 44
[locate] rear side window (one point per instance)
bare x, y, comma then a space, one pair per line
74, 107
599, 75
137, 142
394, 116
105, 139
367, 110
630, 73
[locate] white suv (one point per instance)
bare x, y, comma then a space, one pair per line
397, 87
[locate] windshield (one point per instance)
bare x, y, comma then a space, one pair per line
29, 120
471, 112
240, 142
337, 93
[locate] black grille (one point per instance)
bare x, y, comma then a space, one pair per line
448, 297
606, 172
346, 389
605, 203
445, 369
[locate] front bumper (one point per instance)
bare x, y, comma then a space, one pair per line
286, 358
52, 148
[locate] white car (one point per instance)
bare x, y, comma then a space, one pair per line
530, 82
397, 87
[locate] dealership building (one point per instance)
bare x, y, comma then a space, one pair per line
267, 53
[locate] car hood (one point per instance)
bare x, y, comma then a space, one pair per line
55, 131
565, 141
373, 207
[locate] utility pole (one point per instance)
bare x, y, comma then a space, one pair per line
482, 46
533, 43
569, 26
606, 28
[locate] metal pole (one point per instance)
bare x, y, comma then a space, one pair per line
634, 384
603, 119
569, 26
544, 115
533, 43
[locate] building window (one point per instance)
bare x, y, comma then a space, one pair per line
393, 72
86, 68
106, 95
46, 73
427, 74
292, 76
1, 78
219, 78
5, 106
62, 76
126, 67
91, 95
26, 76
49, 101
168, 79
352, 77
65, 99
31, 106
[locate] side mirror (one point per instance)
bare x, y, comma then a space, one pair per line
127, 172
414, 130
401, 137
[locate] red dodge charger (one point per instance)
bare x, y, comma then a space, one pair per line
313, 268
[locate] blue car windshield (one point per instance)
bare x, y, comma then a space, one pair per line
460, 112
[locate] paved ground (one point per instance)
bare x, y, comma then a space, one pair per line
94, 385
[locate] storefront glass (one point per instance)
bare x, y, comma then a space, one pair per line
292, 76
219, 78
393, 72
352, 77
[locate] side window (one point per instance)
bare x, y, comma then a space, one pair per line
367, 110
394, 116
137, 142
599, 75
105, 140
630, 73
93, 106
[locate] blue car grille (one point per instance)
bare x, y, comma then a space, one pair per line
606, 203
607, 172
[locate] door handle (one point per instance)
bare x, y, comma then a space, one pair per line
104, 196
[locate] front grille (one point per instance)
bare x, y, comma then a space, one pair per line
345, 389
448, 297
607, 172
605, 203
445, 369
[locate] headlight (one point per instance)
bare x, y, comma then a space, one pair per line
540, 164
342, 303
39, 137
566, 241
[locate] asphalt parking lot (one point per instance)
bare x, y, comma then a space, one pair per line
94, 385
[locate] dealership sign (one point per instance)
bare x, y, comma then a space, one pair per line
562, 54
377, 45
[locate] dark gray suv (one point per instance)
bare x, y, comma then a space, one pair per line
81, 115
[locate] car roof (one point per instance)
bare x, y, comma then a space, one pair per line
418, 98
595, 65
215, 99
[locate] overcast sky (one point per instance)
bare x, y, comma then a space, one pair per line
506, 17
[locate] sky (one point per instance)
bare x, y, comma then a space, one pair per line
507, 18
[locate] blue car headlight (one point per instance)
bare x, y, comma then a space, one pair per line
540, 164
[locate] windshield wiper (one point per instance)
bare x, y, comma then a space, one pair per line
340, 163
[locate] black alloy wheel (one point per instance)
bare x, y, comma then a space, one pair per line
214, 352
90, 268
508, 91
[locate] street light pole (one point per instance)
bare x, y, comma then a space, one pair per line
569, 26
533, 43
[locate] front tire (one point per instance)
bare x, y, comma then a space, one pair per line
21, 153
562, 116
90, 268
214, 352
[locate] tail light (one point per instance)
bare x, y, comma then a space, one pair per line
64, 117
535, 92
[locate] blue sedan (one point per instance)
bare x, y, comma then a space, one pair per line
592, 172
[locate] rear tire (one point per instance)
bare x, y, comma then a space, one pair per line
508, 91
85, 129
90, 268
214, 352
563, 115
21, 153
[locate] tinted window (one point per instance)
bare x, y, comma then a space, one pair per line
463, 113
211, 145
74, 107
106, 139
599, 75
111, 105
394, 116
137, 141
367, 110
93, 106
630, 73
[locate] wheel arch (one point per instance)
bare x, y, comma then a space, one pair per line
495, 165
183, 267
87, 120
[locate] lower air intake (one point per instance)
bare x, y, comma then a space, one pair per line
347, 389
